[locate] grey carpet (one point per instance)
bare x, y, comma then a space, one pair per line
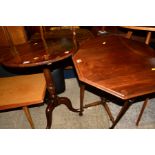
93, 118
129, 119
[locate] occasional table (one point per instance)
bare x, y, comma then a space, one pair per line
118, 66
33, 54
148, 29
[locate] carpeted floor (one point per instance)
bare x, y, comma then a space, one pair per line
93, 118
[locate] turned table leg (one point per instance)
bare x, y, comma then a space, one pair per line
121, 113
54, 100
28, 116
82, 89
142, 111
103, 102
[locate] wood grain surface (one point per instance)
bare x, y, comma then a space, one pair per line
117, 65
22, 90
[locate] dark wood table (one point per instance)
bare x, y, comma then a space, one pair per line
32, 54
118, 66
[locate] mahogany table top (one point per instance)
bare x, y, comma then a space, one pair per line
34, 54
119, 66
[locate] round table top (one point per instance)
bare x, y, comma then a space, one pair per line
34, 54
145, 28
117, 65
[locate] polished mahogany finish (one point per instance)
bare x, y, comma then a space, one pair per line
32, 54
117, 65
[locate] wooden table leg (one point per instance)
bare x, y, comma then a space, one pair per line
92, 104
129, 34
147, 41
103, 102
121, 113
82, 89
28, 116
142, 111
54, 100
